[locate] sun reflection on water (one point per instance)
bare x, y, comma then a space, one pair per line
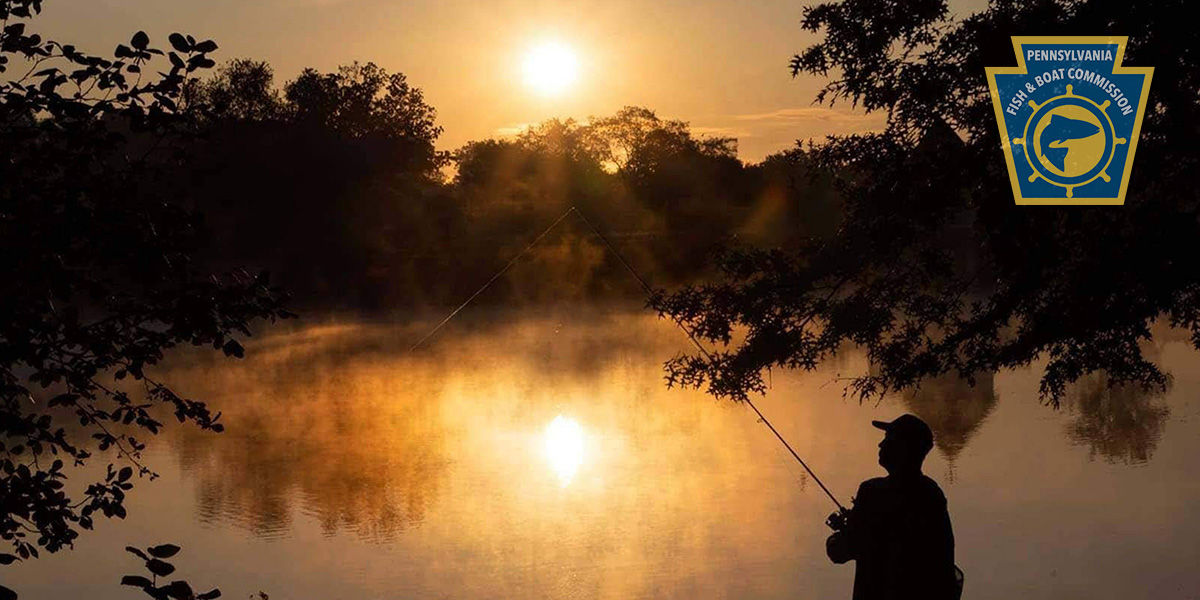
564, 448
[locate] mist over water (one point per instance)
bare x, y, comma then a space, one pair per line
538, 454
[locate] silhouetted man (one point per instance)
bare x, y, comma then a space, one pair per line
898, 530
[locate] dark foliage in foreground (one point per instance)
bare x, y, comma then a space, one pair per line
96, 269
157, 566
934, 270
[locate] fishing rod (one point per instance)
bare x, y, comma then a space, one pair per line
649, 292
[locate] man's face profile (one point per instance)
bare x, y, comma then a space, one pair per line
895, 452
888, 449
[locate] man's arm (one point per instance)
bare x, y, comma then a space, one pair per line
845, 543
838, 548
945, 533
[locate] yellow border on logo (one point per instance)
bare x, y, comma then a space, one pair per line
1021, 69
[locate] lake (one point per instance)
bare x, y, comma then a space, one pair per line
538, 454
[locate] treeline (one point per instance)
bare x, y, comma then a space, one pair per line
332, 182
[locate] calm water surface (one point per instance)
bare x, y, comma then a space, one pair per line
541, 456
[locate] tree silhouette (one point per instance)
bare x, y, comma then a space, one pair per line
335, 175
933, 269
677, 194
96, 263
241, 90
363, 101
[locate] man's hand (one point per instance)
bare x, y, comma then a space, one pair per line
837, 520
837, 547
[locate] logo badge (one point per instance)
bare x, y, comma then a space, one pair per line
1069, 117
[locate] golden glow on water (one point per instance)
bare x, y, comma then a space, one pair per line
541, 456
564, 448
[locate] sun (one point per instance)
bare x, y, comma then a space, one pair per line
550, 68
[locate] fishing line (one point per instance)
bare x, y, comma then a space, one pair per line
649, 292
485, 286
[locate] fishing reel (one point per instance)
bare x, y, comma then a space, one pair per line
837, 520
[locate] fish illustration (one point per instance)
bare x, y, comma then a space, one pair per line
1061, 130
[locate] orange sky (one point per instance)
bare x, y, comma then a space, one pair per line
722, 66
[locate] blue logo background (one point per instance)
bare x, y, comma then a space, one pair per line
1013, 94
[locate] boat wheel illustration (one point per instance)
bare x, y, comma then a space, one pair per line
1069, 141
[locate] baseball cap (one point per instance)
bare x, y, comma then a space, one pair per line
909, 428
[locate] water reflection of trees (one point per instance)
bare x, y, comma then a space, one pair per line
1120, 424
352, 443
953, 408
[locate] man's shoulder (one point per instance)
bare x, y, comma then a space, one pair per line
873, 486
933, 489
885, 486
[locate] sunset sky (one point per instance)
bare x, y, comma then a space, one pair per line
722, 66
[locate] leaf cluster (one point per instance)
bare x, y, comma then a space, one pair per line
154, 558
933, 269
96, 270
